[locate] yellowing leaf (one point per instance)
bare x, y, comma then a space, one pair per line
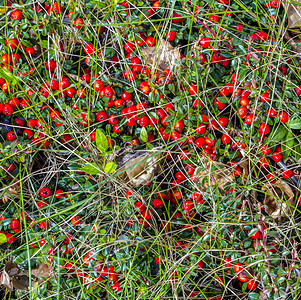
101, 141
110, 167
90, 169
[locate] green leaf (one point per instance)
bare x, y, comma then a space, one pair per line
280, 134
91, 169
294, 123
223, 99
289, 140
143, 135
297, 152
241, 47
8, 76
44, 43
253, 296
288, 144
101, 141
109, 52
254, 230
3, 238
110, 167
217, 145
247, 244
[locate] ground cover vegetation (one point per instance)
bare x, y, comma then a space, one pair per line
150, 149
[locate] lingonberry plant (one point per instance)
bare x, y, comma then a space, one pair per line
149, 150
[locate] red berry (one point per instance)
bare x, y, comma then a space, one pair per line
200, 142
205, 42
249, 119
139, 206
15, 224
193, 90
277, 156
101, 116
223, 121
283, 116
201, 129
266, 150
264, 129
179, 126
78, 23
242, 111
210, 142
188, 205
75, 220
265, 98
257, 235
150, 41
45, 192
252, 285
144, 121
129, 47
272, 113
44, 225
30, 50
108, 92
16, 14
238, 267
130, 75
54, 84
50, 65
10, 238
158, 203
287, 174
7, 109
178, 18
171, 36
11, 136
226, 139
99, 85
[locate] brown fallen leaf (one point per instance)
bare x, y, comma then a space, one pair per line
162, 56
139, 167
15, 279
215, 174
12, 190
293, 8
42, 271
279, 198
5, 280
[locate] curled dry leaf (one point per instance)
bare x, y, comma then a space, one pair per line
279, 198
214, 174
42, 271
14, 278
139, 167
12, 190
6, 281
162, 56
293, 8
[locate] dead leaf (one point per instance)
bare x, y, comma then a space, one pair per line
139, 167
279, 197
162, 56
12, 190
5, 280
215, 174
14, 278
42, 271
293, 13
